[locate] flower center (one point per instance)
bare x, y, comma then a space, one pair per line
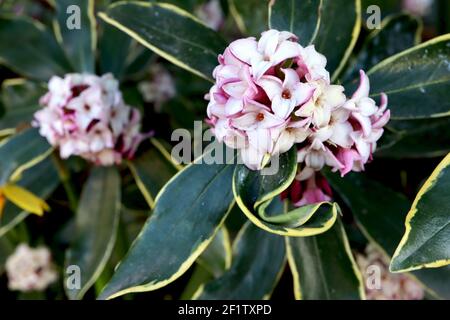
260, 117
286, 94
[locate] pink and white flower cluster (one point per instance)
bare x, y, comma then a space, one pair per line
30, 269
272, 94
380, 284
85, 115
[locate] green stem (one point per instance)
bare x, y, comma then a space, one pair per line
64, 176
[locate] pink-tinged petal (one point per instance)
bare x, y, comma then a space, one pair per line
270, 120
230, 59
261, 140
332, 161
226, 72
350, 105
233, 106
300, 123
301, 154
341, 134
302, 93
220, 98
324, 133
382, 121
340, 115
367, 107
291, 78
366, 124
252, 158
216, 110
286, 50
305, 173
268, 42
364, 149
235, 89
244, 49
271, 85
282, 108
374, 137
364, 86
384, 103
315, 160
347, 157
284, 142
245, 122
260, 67
235, 139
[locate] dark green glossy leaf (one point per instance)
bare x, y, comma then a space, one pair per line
170, 32
188, 212
96, 224
416, 80
140, 60
250, 16
258, 260
113, 57
397, 33
217, 256
151, 171
78, 41
258, 197
41, 180
340, 23
301, 17
380, 214
21, 152
425, 242
20, 99
417, 138
38, 56
323, 266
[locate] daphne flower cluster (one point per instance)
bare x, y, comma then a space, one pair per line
159, 89
272, 94
85, 115
380, 283
30, 269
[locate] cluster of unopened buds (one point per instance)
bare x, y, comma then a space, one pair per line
30, 269
85, 115
273, 94
380, 284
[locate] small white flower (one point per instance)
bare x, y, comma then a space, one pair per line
30, 269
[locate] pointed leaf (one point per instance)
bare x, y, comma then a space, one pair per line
151, 172
340, 24
113, 58
425, 242
21, 152
258, 260
415, 80
258, 197
188, 212
20, 99
380, 214
250, 16
217, 256
96, 224
323, 266
419, 138
170, 32
397, 33
78, 41
38, 56
301, 17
